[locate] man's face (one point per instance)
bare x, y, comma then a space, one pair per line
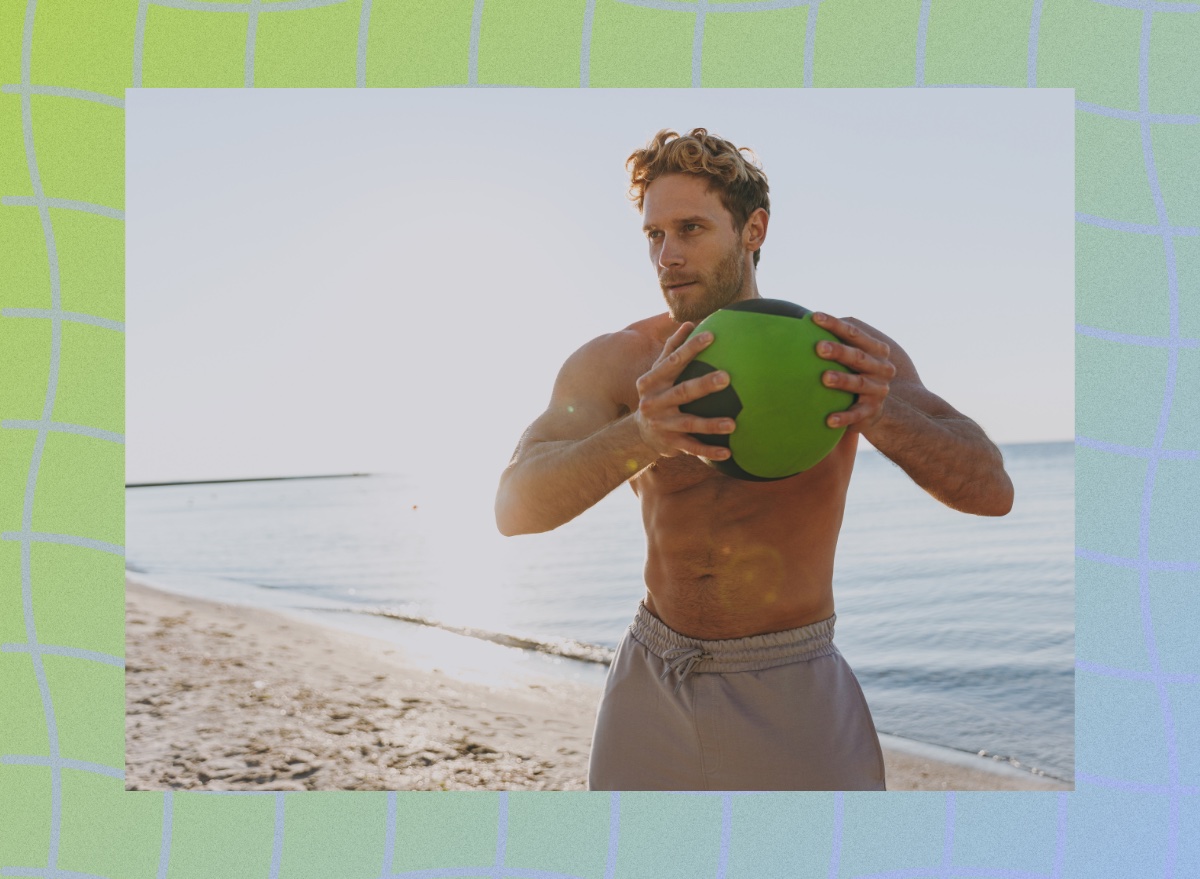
701, 259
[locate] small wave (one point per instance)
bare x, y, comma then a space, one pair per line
987, 761
1008, 761
564, 647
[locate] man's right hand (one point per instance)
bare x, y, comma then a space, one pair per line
663, 427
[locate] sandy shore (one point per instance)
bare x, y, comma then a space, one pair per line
222, 697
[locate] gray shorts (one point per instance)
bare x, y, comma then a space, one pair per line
781, 711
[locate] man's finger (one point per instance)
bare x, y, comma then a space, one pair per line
855, 383
676, 338
856, 358
692, 446
670, 365
860, 411
695, 388
855, 336
690, 424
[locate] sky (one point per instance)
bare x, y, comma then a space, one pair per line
334, 281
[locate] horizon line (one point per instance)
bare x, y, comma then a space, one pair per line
245, 479
866, 448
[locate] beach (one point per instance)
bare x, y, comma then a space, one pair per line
229, 697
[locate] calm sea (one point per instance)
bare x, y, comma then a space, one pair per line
960, 629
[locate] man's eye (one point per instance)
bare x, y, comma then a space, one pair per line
653, 233
691, 227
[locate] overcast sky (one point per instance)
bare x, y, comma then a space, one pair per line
333, 281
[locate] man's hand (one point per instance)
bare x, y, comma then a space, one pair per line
942, 450
873, 371
662, 426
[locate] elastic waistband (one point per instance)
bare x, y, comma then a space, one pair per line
754, 653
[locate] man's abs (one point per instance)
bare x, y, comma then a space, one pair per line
730, 559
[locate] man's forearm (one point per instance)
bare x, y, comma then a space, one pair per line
947, 455
550, 483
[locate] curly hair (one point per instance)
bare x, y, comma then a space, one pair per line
740, 182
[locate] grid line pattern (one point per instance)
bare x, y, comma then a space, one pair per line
73, 652
1077, 836
54, 759
62, 427
72, 316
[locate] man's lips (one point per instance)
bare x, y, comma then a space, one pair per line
675, 285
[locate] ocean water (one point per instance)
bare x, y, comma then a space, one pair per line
960, 628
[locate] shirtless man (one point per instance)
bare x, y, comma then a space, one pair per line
728, 678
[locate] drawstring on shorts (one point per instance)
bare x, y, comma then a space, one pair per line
687, 657
683, 654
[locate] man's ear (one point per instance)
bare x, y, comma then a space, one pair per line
754, 233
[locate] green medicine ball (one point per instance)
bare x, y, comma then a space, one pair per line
775, 392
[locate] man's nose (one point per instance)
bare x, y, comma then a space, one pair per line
671, 254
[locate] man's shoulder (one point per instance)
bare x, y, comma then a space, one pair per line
656, 329
609, 365
635, 342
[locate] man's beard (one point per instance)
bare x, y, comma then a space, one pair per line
710, 292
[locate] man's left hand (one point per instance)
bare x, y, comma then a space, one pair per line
873, 371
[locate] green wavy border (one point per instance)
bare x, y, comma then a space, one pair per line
64, 68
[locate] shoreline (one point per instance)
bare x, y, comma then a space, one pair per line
221, 696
